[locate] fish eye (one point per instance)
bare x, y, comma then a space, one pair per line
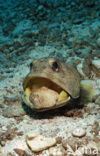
54, 64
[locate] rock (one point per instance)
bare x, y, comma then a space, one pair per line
78, 20
96, 63
79, 132
20, 145
20, 152
98, 42
79, 68
21, 27
37, 142
87, 68
96, 130
74, 113
40, 7
97, 101
96, 67
7, 135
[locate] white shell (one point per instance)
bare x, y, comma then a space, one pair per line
79, 132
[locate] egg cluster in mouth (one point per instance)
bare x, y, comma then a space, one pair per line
44, 93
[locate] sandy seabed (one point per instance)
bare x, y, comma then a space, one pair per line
30, 31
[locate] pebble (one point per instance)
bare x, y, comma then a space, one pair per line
79, 68
96, 63
20, 152
96, 67
97, 101
79, 132
37, 142
88, 68
4, 128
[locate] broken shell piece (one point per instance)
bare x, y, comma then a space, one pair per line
40, 143
62, 96
79, 132
43, 97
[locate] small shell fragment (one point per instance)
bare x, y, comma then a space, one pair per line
79, 132
40, 143
43, 97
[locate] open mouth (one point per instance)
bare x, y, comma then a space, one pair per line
43, 93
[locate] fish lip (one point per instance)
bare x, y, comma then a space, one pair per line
30, 77
52, 108
56, 106
47, 108
47, 76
